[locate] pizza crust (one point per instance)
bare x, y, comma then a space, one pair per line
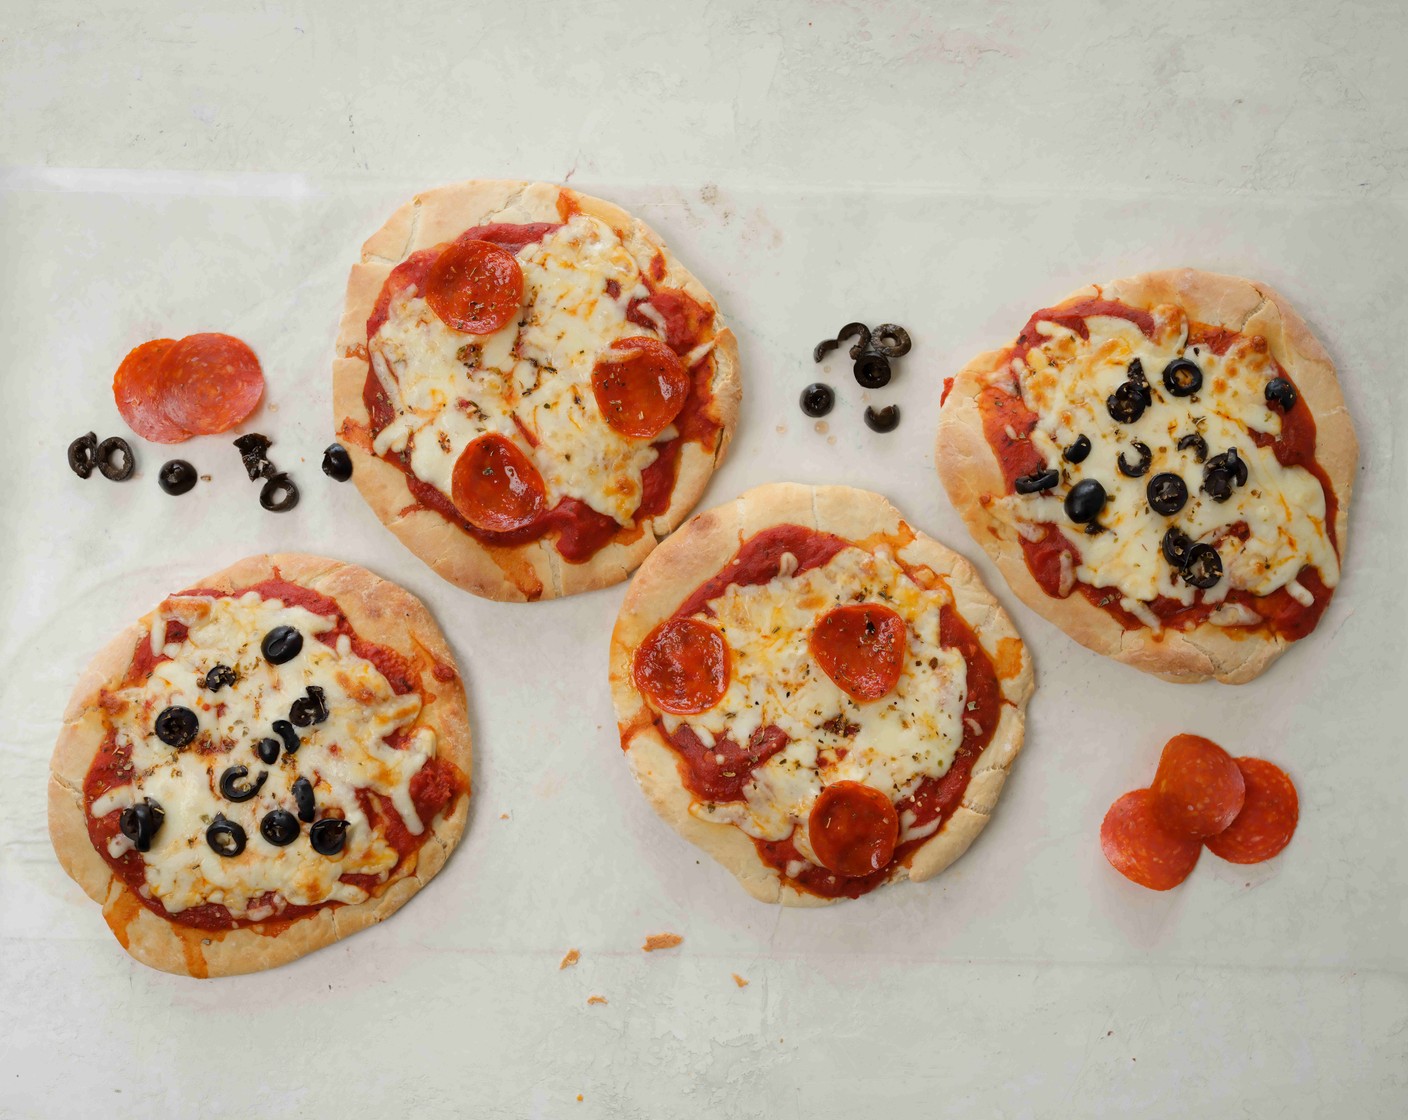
535, 570
379, 611
970, 470
696, 553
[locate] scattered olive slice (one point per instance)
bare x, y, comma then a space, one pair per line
1093, 528
1078, 451
824, 347
337, 464
279, 827
141, 822
1167, 493
1140, 382
1176, 544
1182, 377
891, 340
1126, 404
1230, 462
225, 837
1140, 467
176, 477
279, 494
1202, 566
254, 452
310, 709
872, 370
1085, 501
1217, 484
284, 730
218, 677
328, 836
303, 796
231, 788
268, 750
1037, 481
176, 726
1282, 392
886, 419
281, 644
860, 332
115, 459
818, 399
1196, 443
83, 454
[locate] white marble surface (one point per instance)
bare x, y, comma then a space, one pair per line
950, 167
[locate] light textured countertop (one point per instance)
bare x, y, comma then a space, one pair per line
166, 168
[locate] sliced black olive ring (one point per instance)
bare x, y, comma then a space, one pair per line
268, 750
1085, 501
176, 726
1176, 544
1182, 377
337, 464
1202, 566
1230, 462
891, 340
1093, 528
1196, 443
279, 494
860, 332
886, 419
818, 399
279, 827
328, 836
303, 798
1078, 451
225, 838
1037, 481
176, 477
83, 454
1217, 484
1140, 382
281, 644
1141, 467
218, 677
1126, 404
141, 822
310, 709
115, 459
872, 371
1167, 493
824, 347
233, 786
1282, 392
254, 453
284, 730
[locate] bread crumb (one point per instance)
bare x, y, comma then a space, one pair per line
742, 983
503, 816
579, 1096
661, 941
596, 999
570, 959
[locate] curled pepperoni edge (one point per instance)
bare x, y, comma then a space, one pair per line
212, 383
139, 394
862, 841
1143, 850
1268, 818
707, 678
830, 641
1198, 789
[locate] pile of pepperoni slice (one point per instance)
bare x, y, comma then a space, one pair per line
1243, 810
169, 390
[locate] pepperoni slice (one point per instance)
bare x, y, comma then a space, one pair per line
474, 287
861, 647
853, 829
682, 666
1268, 817
640, 386
212, 382
495, 487
1143, 850
138, 390
1198, 789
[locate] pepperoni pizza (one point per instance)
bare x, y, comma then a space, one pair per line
816, 694
1162, 466
266, 763
532, 388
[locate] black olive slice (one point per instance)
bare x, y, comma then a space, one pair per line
818, 399
1197, 443
303, 796
1078, 451
1126, 404
279, 494
1093, 528
310, 709
824, 347
886, 419
1217, 484
328, 836
231, 788
1182, 377
1230, 462
115, 459
1140, 382
1167, 493
860, 332
268, 750
284, 730
1176, 544
279, 827
1281, 392
218, 677
83, 454
890, 339
1202, 566
176, 477
337, 464
254, 453
225, 838
1085, 501
872, 371
281, 644
1136, 469
176, 726
1037, 481
141, 822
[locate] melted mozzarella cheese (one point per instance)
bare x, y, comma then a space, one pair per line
448, 388
345, 753
1066, 380
910, 734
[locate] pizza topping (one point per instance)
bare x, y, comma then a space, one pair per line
1085, 501
1037, 482
475, 287
310, 709
268, 750
233, 786
818, 399
176, 477
1218, 484
1196, 443
337, 464
1127, 403
853, 829
281, 644
861, 647
220, 676
209, 383
891, 340
1175, 546
284, 730
254, 453
1202, 566
872, 371
1198, 789
1167, 493
141, 822
683, 666
1140, 466
302, 791
886, 419
176, 726
860, 332
1078, 450
279, 827
1229, 462
83, 454
495, 486
328, 836
1141, 848
139, 389
1280, 392
1268, 817
640, 386
279, 494
115, 459
1182, 377
225, 837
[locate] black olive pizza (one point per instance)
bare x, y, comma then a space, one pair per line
1162, 466
816, 694
271, 760
532, 388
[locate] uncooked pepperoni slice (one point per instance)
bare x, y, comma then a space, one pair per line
861, 647
211, 382
853, 829
683, 666
475, 287
1198, 789
640, 386
1268, 817
1142, 849
495, 487
141, 398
